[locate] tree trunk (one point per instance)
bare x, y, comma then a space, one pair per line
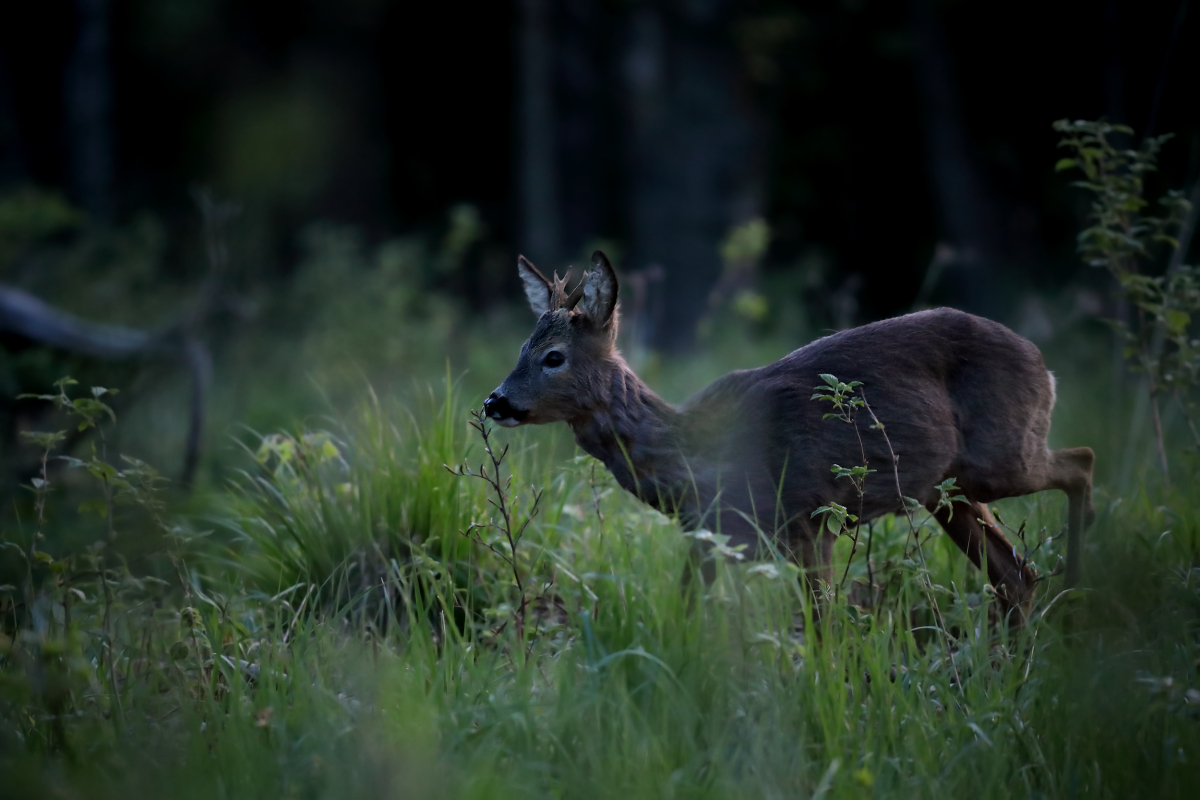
89, 110
969, 243
539, 227
692, 168
588, 126
11, 161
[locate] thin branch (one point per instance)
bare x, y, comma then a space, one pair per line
505, 507
937, 612
861, 494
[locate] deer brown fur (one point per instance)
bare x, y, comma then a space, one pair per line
961, 397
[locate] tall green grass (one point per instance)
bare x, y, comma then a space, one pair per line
340, 636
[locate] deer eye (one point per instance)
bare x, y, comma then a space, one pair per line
554, 359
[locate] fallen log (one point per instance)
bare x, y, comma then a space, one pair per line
24, 315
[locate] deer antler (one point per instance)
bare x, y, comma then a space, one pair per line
576, 295
558, 295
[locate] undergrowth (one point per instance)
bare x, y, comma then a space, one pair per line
352, 626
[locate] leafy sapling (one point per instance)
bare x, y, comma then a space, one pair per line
842, 396
1159, 340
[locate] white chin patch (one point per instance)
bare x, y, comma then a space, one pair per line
507, 422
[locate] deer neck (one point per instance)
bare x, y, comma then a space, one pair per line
636, 434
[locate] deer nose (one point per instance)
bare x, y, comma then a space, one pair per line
498, 408
489, 405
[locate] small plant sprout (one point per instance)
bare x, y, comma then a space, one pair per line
857, 475
840, 395
948, 494
837, 519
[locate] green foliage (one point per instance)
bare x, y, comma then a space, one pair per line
1120, 234
742, 252
840, 395
89, 410
1161, 341
948, 494
746, 244
28, 217
334, 513
352, 641
837, 518
65, 667
857, 475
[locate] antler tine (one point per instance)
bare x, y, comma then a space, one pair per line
577, 295
559, 297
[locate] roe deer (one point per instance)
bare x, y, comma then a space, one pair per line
962, 397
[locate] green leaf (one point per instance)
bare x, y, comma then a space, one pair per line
1178, 321
44, 440
92, 409
102, 470
97, 507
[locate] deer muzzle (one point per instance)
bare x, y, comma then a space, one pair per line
499, 409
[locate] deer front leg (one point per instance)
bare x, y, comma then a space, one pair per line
973, 528
702, 563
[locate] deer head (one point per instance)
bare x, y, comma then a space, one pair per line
562, 371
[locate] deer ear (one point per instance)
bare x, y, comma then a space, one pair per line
599, 301
537, 288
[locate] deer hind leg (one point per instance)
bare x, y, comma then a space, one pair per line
973, 528
1071, 471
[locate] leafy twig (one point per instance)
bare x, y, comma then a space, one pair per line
841, 396
904, 501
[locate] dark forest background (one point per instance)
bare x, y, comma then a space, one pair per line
827, 161
865, 132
